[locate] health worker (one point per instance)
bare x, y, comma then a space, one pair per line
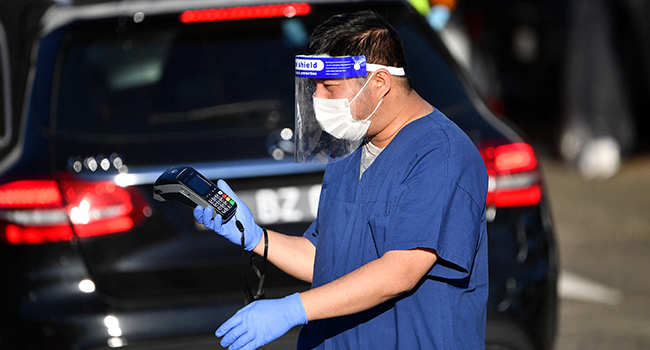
397, 256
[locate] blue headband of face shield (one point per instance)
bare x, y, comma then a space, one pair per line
340, 67
323, 140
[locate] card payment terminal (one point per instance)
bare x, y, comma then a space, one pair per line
186, 185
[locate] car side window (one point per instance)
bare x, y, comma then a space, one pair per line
5, 91
434, 80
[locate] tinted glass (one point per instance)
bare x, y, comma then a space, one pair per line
5, 111
168, 82
159, 88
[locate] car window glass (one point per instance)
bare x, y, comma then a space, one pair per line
437, 83
164, 91
180, 78
433, 80
5, 97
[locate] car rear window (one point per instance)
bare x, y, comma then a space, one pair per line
165, 86
234, 77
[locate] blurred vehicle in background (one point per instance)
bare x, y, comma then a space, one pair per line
98, 99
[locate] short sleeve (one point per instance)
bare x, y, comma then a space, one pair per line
312, 232
434, 211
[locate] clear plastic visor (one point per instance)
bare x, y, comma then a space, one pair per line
312, 144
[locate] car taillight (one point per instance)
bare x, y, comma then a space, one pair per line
514, 177
42, 211
245, 12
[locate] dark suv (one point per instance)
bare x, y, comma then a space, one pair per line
99, 99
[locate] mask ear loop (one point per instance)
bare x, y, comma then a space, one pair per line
376, 108
364, 86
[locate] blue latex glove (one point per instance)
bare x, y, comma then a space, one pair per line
262, 322
252, 232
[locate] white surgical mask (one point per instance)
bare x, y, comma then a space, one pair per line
335, 117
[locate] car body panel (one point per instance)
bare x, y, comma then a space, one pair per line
167, 277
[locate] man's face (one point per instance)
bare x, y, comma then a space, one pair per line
345, 89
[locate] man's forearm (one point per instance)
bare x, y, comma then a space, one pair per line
380, 280
291, 254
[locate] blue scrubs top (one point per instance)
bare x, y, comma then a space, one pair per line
427, 189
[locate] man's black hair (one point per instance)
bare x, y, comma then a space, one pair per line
362, 33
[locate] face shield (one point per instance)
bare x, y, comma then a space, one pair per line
326, 130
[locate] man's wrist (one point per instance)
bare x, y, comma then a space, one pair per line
257, 241
301, 315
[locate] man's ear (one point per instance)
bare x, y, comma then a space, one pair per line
382, 82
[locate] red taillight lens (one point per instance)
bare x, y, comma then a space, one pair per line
514, 158
29, 193
18, 234
514, 178
41, 211
31, 212
245, 12
99, 208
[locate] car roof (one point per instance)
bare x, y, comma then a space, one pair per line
63, 12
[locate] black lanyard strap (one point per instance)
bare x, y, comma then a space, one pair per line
260, 273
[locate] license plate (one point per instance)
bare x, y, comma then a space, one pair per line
282, 205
